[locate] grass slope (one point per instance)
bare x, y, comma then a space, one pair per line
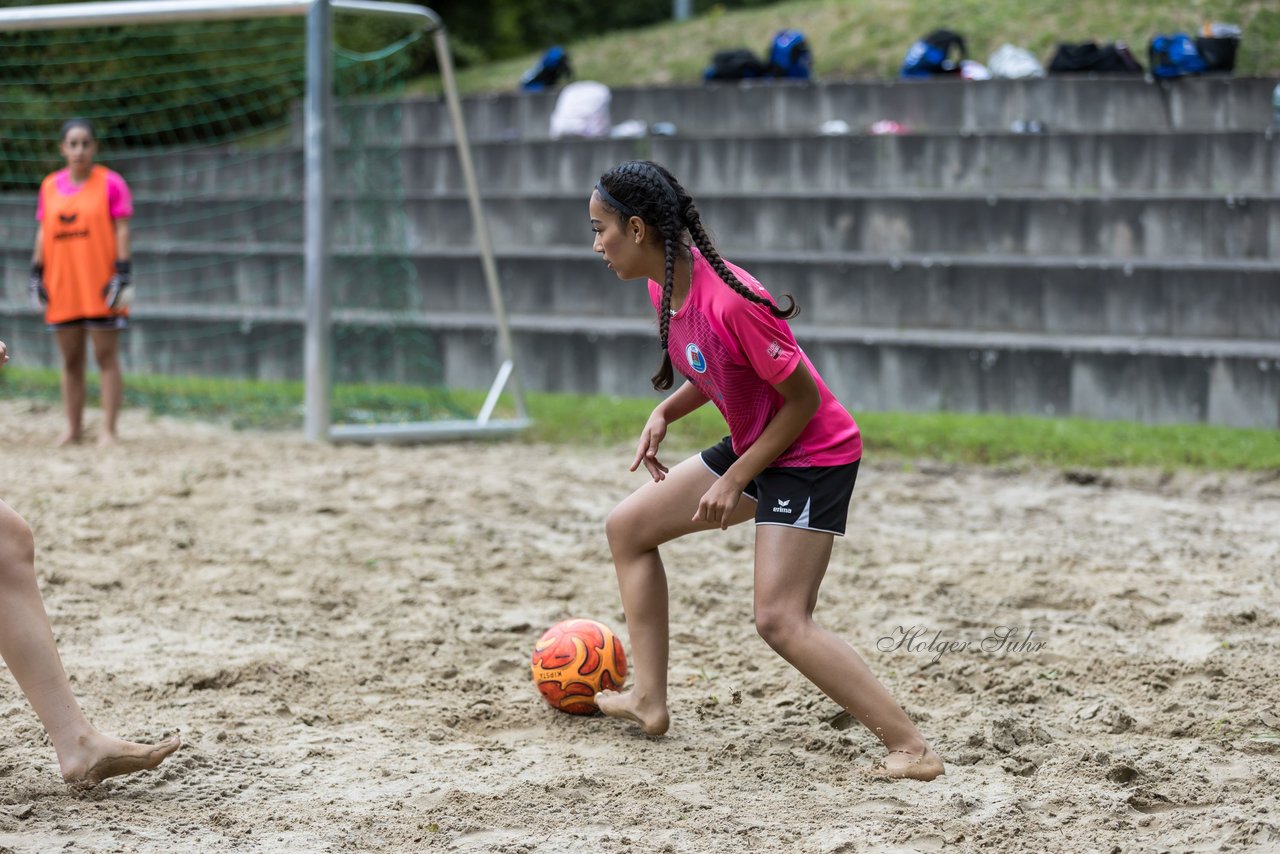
867, 38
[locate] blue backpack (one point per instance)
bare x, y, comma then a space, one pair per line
932, 55
790, 56
547, 71
1174, 56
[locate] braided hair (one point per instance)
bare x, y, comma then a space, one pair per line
645, 189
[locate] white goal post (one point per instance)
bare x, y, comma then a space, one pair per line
318, 160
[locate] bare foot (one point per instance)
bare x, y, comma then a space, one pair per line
904, 765
652, 717
68, 437
102, 756
107, 440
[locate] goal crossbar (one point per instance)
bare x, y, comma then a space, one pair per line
318, 155
126, 12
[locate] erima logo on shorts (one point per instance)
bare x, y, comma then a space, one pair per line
696, 360
782, 507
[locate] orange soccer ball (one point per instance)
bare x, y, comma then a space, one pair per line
575, 659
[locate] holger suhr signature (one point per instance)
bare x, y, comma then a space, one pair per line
1002, 640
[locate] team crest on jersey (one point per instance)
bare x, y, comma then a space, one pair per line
697, 361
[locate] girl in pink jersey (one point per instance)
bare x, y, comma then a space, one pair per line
793, 452
86, 756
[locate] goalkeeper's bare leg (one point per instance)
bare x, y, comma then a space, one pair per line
106, 351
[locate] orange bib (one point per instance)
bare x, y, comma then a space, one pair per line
79, 249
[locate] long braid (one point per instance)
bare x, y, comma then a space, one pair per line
703, 241
692, 220
665, 376
650, 192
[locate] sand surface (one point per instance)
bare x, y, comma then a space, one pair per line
342, 636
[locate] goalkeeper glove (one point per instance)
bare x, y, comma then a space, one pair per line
39, 296
116, 292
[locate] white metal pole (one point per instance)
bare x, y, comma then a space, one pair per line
317, 160
124, 12
478, 223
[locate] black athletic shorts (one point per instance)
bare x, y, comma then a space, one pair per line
814, 498
113, 321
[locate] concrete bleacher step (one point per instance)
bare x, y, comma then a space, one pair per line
1130, 225
1085, 103
1015, 294
1122, 265
1158, 380
1076, 163
1085, 164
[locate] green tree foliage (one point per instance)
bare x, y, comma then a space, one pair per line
143, 86
169, 85
213, 81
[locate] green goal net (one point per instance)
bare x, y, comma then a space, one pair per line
203, 119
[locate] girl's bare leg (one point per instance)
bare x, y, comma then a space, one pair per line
85, 756
652, 515
790, 565
106, 351
71, 345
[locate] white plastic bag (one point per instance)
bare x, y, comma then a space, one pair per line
1014, 63
582, 109
630, 129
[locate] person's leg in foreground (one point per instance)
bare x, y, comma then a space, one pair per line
85, 756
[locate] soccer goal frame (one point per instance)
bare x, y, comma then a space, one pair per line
318, 168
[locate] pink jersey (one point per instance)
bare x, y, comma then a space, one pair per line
735, 351
119, 199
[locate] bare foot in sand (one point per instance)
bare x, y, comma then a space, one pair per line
101, 756
67, 438
652, 717
107, 440
904, 765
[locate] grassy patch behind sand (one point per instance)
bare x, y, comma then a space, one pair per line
605, 420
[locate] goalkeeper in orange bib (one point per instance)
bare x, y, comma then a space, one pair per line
80, 273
